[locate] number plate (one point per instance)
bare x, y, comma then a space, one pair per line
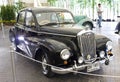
93, 67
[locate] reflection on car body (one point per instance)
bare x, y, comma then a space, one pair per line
50, 35
84, 21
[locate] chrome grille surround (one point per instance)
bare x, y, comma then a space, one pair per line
87, 45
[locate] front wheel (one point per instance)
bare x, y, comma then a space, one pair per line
46, 70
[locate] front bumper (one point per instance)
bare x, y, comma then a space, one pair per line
67, 70
78, 68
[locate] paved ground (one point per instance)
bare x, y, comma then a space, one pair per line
29, 71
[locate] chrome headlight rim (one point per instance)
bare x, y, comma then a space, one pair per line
109, 45
65, 54
102, 54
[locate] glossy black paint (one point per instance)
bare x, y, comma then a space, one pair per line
53, 39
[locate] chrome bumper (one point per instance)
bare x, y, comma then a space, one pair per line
74, 68
68, 70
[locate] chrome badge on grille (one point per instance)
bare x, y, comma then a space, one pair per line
88, 57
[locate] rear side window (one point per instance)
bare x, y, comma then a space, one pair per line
21, 17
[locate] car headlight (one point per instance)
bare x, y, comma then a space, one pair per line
109, 45
102, 54
65, 54
80, 60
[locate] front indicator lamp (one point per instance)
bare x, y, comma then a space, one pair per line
102, 54
80, 60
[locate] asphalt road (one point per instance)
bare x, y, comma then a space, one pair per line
29, 71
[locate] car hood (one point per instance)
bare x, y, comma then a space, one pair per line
67, 30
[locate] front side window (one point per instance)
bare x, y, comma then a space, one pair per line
29, 19
54, 17
21, 17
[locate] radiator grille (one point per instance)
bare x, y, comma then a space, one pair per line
87, 45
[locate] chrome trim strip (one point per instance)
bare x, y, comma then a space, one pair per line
49, 33
57, 34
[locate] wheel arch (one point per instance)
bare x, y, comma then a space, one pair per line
89, 23
41, 51
52, 48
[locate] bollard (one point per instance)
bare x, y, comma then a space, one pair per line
13, 65
3, 30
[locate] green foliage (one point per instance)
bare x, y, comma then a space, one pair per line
7, 13
51, 2
18, 6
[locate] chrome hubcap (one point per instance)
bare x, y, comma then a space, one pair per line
44, 66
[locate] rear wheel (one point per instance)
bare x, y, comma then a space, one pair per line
46, 70
117, 32
13, 41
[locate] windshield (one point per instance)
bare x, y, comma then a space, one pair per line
54, 18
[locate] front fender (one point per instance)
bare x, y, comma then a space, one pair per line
101, 41
49, 44
55, 46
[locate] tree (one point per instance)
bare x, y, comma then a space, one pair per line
51, 2
19, 5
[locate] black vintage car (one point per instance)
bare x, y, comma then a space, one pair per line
51, 36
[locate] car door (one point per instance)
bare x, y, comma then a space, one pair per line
30, 31
20, 30
25, 30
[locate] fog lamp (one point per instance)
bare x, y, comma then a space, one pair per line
102, 54
80, 60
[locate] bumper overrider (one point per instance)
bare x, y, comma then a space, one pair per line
90, 67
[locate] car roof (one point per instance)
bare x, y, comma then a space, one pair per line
46, 9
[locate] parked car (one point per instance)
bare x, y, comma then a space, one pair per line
117, 29
50, 35
84, 21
